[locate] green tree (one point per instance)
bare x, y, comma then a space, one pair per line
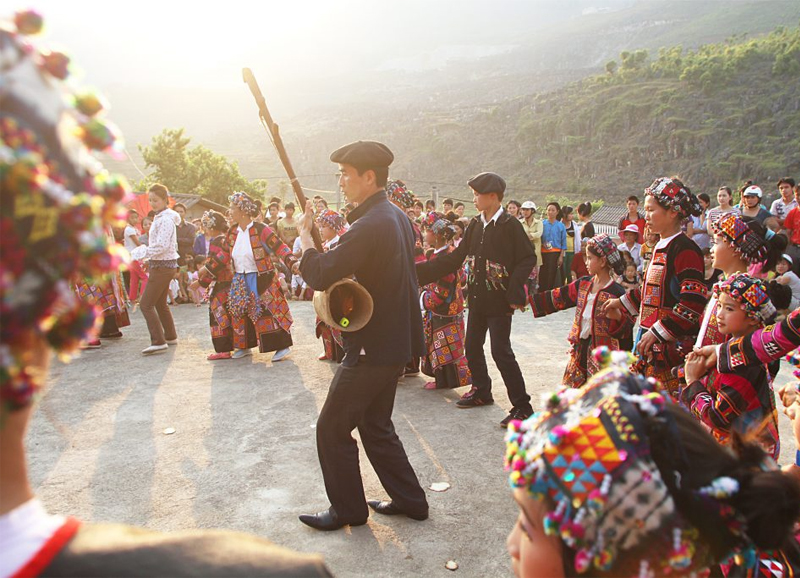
611, 67
196, 170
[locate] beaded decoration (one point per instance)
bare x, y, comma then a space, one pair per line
750, 293
588, 454
744, 241
332, 219
55, 205
244, 203
669, 193
439, 225
398, 193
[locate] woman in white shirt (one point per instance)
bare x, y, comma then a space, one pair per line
162, 256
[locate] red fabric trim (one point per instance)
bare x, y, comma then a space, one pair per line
49, 550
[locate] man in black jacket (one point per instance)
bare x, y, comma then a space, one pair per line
499, 259
379, 250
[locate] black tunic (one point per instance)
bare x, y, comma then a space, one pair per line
499, 260
379, 249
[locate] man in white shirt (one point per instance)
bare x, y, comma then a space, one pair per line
781, 207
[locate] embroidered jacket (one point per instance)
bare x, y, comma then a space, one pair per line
444, 297
617, 335
741, 401
264, 242
498, 259
762, 346
671, 300
218, 264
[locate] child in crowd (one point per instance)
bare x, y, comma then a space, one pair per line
672, 296
578, 268
650, 241
573, 242
590, 329
629, 235
630, 278
331, 224
174, 289
443, 313
741, 401
789, 278
197, 294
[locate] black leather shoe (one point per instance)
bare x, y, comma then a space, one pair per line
471, 399
326, 521
520, 414
389, 509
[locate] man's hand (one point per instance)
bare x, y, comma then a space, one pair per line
305, 222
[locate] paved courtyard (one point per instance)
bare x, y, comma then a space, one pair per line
243, 454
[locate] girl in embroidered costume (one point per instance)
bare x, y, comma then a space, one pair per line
673, 295
587, 295
331, 224
736, 245
216, 275
258, 308
741, 401
615, 480
443, 313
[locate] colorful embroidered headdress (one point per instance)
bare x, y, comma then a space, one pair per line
439, 225
55, 203
588, 455
244, 203
749, 244
673, 194
213, 220
398, 193
751, 293
603, 246
332, 219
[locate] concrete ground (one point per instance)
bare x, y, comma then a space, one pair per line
243, 454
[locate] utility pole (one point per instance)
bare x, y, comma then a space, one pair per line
435, 195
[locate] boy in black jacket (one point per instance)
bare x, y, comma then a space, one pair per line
499, 258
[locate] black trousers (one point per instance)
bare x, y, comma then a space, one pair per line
363, 397
550, 272
499, 329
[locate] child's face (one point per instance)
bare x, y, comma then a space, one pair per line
708, 260
782, 266
533, 553
652, 238
289, 212
594, 264
724, 255
447, 207
630, 271
327, 233
146, 225
630, 237
732, 318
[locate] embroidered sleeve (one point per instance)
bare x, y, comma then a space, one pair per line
631, 301
219, 260
547, 302
762, 346
278, 247
721, 405
684, 318
440, 292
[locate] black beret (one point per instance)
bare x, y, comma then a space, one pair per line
484, 183
363, 154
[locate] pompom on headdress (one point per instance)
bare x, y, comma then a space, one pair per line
56, 203
588, 456
398, 193
750, 293
439, 225
746, 242
244, 203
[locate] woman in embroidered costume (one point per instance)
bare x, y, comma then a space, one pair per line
443, 313
258, 308
736, 245
331, 224
673, 295
216, 276
741, 401
614, 479
587, 294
